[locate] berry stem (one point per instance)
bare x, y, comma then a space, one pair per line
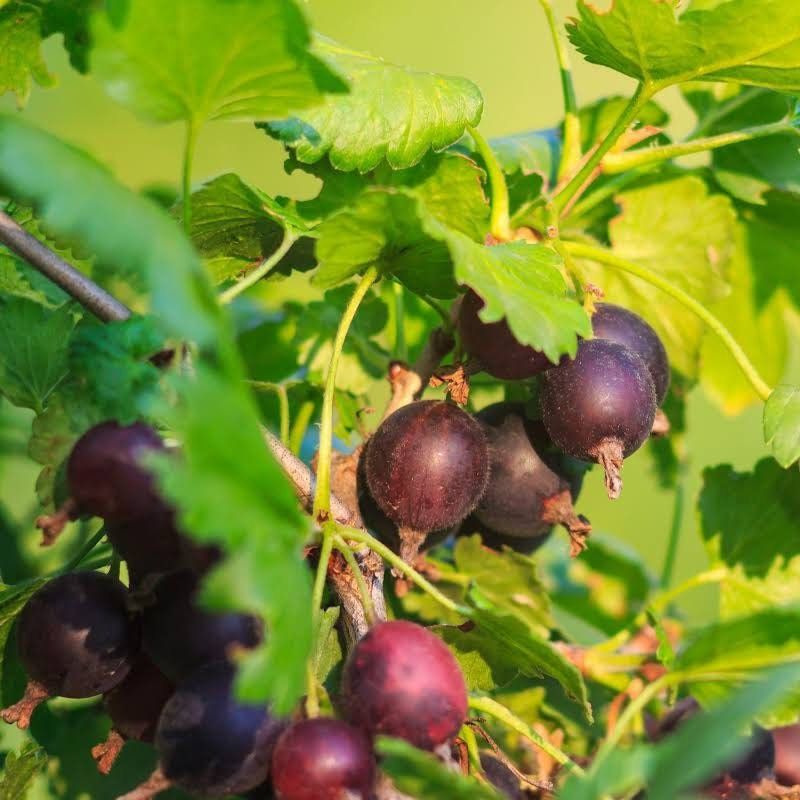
571, 147
84, 551
400, 346
675, 526
279, 390
603, 256
486, 705
263, 269
615, 163
325, 551
644, 91
300, 425
366, 601
356, 535
322, 496
499, 224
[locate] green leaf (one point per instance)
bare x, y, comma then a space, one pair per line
20, 280
736, 650
70, 18
658, 227
235, 226
225, 466
329, 652
749, 169
421, 774
19, 770
33, 350
782, 424
484, 669
392, 113
77, 198
733, 40
508, 580
199, 60
111, 363
605, 588
21, 60
522, 283
598, 118
524, 648
748, 522
760, 329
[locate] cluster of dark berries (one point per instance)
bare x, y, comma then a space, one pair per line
163, 663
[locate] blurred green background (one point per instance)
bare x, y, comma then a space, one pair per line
505, 48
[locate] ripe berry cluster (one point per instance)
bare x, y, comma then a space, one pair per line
162, 662
431, 468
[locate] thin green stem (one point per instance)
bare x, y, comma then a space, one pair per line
84, 551
325, 550
473, 751
615, 163
322, 495
486, 705
400, 347
643, 93
675, 527
279, 390
192, 129
366, 601
401, 566
499, 223
260, 271
571, 146
114, 565
447, 323
603, 256
300, 425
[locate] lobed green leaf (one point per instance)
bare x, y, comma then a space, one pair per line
782, 424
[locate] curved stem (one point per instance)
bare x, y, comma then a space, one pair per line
675, 527
643, 93
499, 224
87, 548
322, 570
603, 256
188, 158
279, 389
300, 425
260, 271
571, 147
406, 569
400, 347
366, 601
494, 709
322, 496
723, 109
615, 163
447, 323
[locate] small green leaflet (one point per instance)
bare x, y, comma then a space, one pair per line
199, 60
33, 350
782, 424
736, 40
748, 521
357, 131
235, 226
21, 61
223, 467
423, 775
19, 770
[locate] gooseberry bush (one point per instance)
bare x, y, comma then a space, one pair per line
278, 579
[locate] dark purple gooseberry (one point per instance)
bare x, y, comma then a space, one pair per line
427, 466
496, 541
134, 707
180, 636
617, 324
493, 344
75, 638
600, 406
524, 497
323, 759
208, 743
106, 475
402, 681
